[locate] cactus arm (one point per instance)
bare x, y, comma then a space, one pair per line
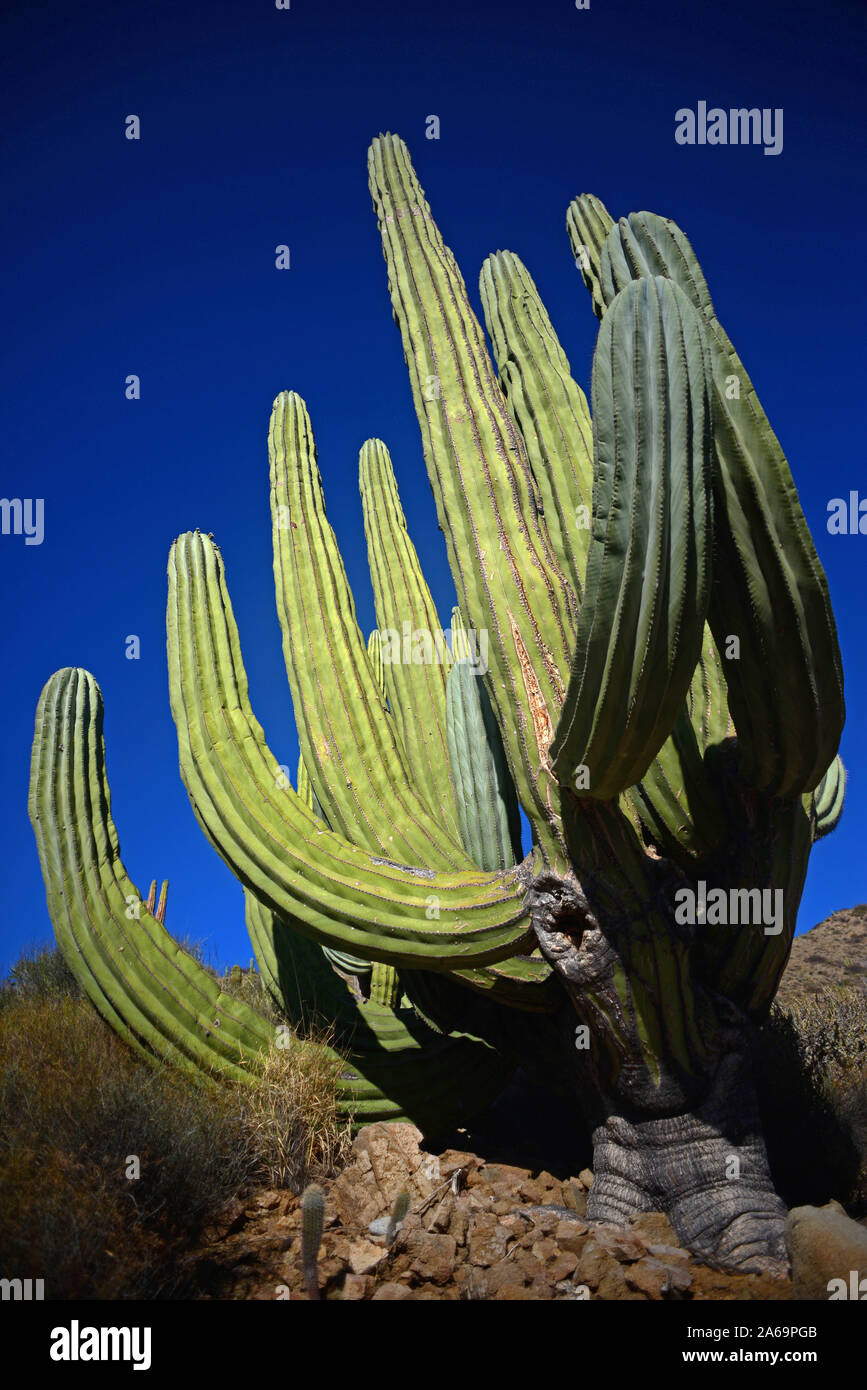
740, 960
826, 802
506, 575
350, 746
588, 223
153, 993
527, 983
519, 983
374, 654
676, 799
351, 967
307, 794
385, 986
341, 895
487, 807
648, 572
295, 970
549, 408
395, 1067
416, 687
707, 702
770, 590
160, 913
432, 1080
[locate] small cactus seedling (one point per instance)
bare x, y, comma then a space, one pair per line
312, 1221
399, 1210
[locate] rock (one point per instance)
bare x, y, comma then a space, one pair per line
487, 1244
357, 1286
441, 1214
411, 1222
541, 1287
529, 1265
828, 1251
495, 1173
267, 1200
668, 1252
534, 1191
571, 1235
586, 1177
459, 1222
553, 1187
574, 1197
655, 1226
515, 1293
454, 1160
336, 1243
364, 1256
649, 1277
386, 1159
544, 1249
477, 1202
432, 1257
601, 1272
329, 1269
563, 1266
475, 1286
544, 1218
391, 1293
679, 1277
593, 1264
620, 1242
504, 1275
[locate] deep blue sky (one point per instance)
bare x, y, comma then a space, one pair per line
157, 258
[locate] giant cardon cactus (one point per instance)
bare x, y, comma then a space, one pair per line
643, 657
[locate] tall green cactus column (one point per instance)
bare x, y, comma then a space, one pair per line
719, 777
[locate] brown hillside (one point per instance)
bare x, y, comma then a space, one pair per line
832, 953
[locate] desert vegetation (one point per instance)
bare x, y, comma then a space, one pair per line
110, 1164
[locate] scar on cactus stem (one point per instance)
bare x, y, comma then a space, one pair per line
383, 896
312, 1221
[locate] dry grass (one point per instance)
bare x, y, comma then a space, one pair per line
76, 1103
292, 1116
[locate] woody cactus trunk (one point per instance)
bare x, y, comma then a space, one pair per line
643, 657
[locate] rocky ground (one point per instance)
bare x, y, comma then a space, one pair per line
485, 1231
488, 1221
832, 953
